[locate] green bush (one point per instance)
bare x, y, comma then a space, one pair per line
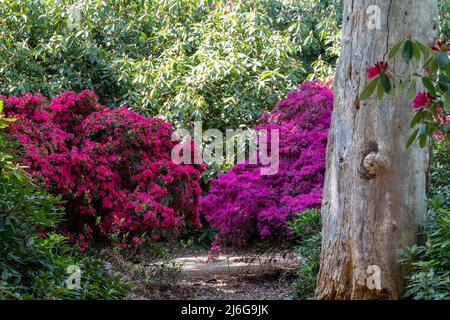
183, 60
306, 228
429, 277
34, 263
444, 18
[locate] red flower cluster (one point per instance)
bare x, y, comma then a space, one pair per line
423, 99
381, 66
440, 45
112, 167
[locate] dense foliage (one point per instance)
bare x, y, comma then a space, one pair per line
246, 206
33, 262
430, 260
306, 229
224, 62
112, 167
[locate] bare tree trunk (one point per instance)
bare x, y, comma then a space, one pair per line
374, 198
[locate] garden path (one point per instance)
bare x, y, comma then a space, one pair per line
188, 274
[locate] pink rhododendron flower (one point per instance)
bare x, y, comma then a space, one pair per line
422, 99
122, 245
381, 66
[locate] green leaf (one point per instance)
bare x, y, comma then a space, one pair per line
427, 63
385, 82
444, 83
408, 50
447, 102
1, 106
393, 52
442, 59
423, 48
367, 92
434, 66
419, 116
423, 141
423, 129
380, 92
402, 86
429, 86
412, 91
412, 138
416, 51
423, 134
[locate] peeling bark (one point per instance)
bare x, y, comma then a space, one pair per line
375, 189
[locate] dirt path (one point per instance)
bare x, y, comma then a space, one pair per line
189, 275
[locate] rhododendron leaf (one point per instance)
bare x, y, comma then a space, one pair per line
416, 51
442, 59
423, 48
367, 92
412, 138
429, 86
408, 50
444, 83
423, 129
393, 52
423, 141
419, 116
385, 82
447, 102
434, 66
402, 86
412, 91
380, 92
428, 63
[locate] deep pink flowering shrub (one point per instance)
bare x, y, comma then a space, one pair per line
113, 167
245, 206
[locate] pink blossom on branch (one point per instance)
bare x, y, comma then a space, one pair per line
423, 99
381, 66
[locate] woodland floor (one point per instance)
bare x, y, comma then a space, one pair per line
185, 274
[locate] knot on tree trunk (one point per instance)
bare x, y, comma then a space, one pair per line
372, 165
372, 161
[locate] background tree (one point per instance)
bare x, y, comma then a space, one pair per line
374, 197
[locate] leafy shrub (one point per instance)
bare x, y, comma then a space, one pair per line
112, 167
33, 263
444, 18
429, 277
220, 61
306, 229
245, 206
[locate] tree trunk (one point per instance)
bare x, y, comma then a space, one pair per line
374, 197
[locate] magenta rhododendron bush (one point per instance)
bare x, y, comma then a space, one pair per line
113, 168
246, 206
